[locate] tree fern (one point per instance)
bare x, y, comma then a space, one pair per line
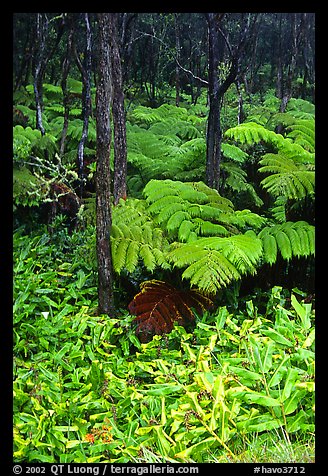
290, 239
163, 156
250, 133
233, 153
213, 263
173, 204
301, 108
27, 141
191, 209
235, 178
159, 305
28, 189
286, 178
303, 133
135, 239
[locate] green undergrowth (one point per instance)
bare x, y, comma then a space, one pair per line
239, 386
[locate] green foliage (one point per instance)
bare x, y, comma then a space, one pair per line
87, 391
191, 227
27, 188
27, 141
188, 210
135, 238
291, 239
286, 178
212, 263
164, 142
250, 133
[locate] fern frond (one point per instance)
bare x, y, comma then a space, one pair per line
134, 238
211, 272
174, 203
303, 133
159, 305
250, 133
287, 179
214, 262
233, 152
292, 239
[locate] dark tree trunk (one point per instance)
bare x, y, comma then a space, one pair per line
120, 152
41, 34
85, 70
287, 90
103, 206
65, 70
41, 58
177, 69
23, 74
213, 134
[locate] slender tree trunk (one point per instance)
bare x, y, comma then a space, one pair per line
26, 60
287, 93
86, 99
240, 115
120, 152
103, 205
213, 134
65, 70
41, 33
177, 69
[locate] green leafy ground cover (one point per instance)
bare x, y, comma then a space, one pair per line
237, 387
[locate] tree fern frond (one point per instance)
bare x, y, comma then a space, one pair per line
270, 248
287, 179
147, 256
214, 262
303, 133
159, 305
135, 237
250, 133
284, 244
233, 153
185, 230
119, 254
292, 239
298, 105
211, 272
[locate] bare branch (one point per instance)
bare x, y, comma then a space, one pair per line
197, 78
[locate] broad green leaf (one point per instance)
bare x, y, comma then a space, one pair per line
264, 422
279, 372
309, 340
244, 373
261, 399
194, 450
309, 386
274, 335
303, 311
162, 389
291, 377
295, 423
294, 401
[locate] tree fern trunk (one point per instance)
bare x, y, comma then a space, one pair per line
103, 207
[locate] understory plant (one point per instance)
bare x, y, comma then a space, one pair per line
87, 390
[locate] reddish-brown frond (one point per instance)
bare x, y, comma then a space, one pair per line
159, 305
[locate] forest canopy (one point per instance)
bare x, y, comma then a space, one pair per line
164, 193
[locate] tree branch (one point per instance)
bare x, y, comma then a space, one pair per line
197, 78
